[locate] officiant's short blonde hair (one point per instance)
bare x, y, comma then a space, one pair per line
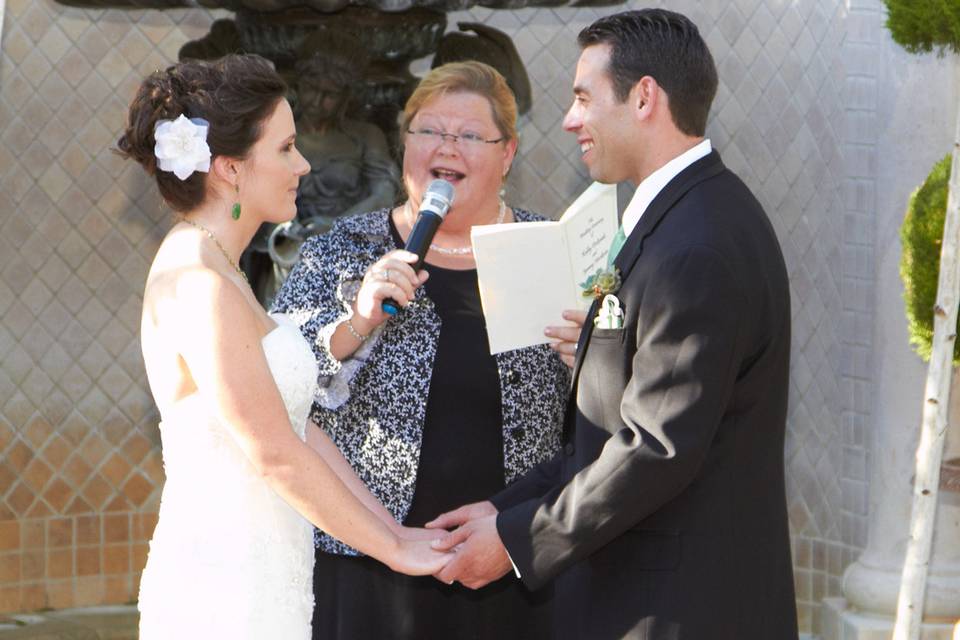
467, 77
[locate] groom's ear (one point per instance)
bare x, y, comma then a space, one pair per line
643, 97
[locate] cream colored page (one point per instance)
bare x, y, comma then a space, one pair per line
525, 281
589, 225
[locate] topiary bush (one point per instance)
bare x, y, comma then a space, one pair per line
922, 25
921, 235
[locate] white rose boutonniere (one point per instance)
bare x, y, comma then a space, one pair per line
182, 146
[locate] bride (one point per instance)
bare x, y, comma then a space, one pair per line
247, 474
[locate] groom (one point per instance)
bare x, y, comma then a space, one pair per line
664, 515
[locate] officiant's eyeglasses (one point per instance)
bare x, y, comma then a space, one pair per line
434, 137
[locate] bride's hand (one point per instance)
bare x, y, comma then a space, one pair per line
418, 533
417, 558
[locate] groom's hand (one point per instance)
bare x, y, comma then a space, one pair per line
462, 515
480, 556
566, 337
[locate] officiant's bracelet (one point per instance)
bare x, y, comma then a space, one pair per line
356, 334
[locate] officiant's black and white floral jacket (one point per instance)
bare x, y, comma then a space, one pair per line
373, 404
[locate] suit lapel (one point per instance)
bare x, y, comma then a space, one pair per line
703, 169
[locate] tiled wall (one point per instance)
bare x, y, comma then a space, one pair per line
80, 463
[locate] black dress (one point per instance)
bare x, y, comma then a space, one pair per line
461, 461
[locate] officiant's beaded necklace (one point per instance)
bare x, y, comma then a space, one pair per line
453, 251
219, 246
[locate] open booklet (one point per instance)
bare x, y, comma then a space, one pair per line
530, 272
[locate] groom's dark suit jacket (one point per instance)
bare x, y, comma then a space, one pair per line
664, 515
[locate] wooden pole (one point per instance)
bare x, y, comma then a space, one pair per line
933, 431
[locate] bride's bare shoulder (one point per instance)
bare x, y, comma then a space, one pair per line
181, 283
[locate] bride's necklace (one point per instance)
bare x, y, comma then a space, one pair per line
454, 251
219, 246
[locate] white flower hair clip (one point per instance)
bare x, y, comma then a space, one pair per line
182, 146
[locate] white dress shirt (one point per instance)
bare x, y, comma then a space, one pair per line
656, 181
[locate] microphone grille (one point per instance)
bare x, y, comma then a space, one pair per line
441, 189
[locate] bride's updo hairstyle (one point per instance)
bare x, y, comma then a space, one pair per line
235, 94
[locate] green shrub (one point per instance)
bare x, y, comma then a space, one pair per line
924, 25
921, 235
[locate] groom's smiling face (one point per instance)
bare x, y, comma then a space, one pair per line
603, 124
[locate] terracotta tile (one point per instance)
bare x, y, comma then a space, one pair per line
77, 470
58, 494
9, 535
6, 513
37, 430
10, 599
7, 477
115, 425
96, 491
78, 506
115, 469
39, 509
90, 591
118, 503
33, 534
60, 563
88, 561
137, 489
20, 499
88, 529
138, 557
9, 567
75, 427
18, 456
33, 564
56, 407
56, 451
119, 589
143, 526
33, 597
7, 432
116, 559
37, 474
152, 466
60, 532
60, 594
116, 528
136, 446
94, 449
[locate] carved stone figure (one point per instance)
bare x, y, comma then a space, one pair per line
352, 170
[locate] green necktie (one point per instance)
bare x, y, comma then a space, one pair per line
619, 239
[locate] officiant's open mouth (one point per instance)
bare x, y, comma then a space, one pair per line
447, 174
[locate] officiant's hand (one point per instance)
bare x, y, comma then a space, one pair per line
392, 276
567, 336
480, 556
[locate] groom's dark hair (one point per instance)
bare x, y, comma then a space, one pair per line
666, 46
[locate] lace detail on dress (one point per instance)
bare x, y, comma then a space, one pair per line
230, 558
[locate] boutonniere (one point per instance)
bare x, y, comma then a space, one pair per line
603, 283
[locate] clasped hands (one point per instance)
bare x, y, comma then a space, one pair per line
479, 556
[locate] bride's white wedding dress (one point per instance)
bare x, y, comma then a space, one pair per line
229, 558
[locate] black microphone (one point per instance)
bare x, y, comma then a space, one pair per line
434, 206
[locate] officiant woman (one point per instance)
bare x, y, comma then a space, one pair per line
427, 417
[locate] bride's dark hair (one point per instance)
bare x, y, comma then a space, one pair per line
235, 94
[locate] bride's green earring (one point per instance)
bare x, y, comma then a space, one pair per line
235, 210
